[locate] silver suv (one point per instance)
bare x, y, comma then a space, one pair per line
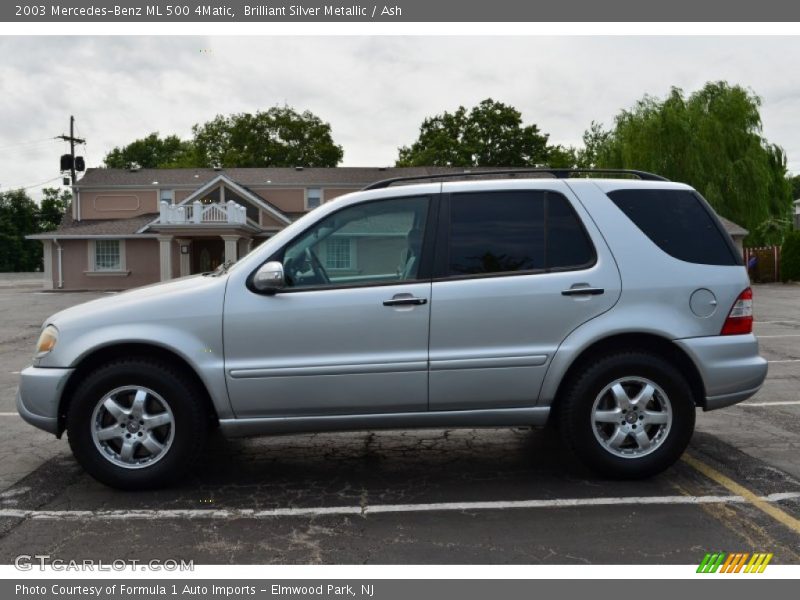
612, 307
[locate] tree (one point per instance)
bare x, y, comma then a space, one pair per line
18, 217
790, 257
595, 141
152, 152
490, 134
712, 140
278, 137
52, 208
795, 181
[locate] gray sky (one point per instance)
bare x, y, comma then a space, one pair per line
374, 91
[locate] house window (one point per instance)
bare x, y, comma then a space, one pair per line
313, 198
107, 255
339, 253
168, 196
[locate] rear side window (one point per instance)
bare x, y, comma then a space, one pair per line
679, 223
506, 232
568, 246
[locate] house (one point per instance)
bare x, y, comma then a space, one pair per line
127, 228
797, 214
737, 232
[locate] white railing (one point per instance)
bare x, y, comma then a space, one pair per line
199, 213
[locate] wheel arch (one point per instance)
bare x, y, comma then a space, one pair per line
644, 342
105, 354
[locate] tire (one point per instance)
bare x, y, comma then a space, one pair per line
608, 434
136, 424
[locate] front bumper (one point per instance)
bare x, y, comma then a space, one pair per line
730, 366
39, 395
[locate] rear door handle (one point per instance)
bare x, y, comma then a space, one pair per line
583, 291
405, 301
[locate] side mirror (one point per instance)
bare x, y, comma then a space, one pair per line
269, 277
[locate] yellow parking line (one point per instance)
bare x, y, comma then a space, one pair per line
738, 489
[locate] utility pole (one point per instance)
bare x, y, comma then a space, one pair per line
72, 141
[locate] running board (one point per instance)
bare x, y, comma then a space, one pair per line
505, 417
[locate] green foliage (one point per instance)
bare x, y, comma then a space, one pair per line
490, 134
790, 257
153, 152
278, 137
595, 141
52, 208
712, 140
18, 217
795, 182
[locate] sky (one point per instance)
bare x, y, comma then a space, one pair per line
373, 90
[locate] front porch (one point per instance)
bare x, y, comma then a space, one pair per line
206, 235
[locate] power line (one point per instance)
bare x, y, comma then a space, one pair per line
25, 145
28, 186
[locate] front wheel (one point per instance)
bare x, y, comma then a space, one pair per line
629, 415
136, 424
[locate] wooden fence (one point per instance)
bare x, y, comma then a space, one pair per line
763, 264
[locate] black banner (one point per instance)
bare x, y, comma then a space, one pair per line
133, 11
388, 589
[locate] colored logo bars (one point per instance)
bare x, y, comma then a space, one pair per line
734, 562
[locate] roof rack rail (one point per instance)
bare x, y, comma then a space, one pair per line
557, 173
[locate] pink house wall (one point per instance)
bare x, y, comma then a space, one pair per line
288, 200
181, 195
331, 193
118, 204
141, 259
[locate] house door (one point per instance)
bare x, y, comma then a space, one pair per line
207, 254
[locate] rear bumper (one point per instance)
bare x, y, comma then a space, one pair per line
39, 395
730, 366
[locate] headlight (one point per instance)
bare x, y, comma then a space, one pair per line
47, 341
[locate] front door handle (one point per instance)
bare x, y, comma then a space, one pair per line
583, 291
405, 301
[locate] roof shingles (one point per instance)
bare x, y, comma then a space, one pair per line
254, 177
122, 227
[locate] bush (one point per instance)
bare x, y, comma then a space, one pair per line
790, 257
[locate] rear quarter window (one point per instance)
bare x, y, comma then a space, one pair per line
680, 223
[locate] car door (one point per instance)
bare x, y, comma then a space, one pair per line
519, 265
349, 332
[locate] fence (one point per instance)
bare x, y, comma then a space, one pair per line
763, 264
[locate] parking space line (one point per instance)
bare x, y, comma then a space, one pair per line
9, 414
249, 513
761, 337
787, 360
760, 502
780, 403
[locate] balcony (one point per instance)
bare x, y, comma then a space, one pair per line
202, 214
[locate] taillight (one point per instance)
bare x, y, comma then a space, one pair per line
740, 319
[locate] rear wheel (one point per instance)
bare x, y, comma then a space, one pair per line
628, 415
136, 424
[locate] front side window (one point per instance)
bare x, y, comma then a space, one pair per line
372, 243
515, 231
107, 256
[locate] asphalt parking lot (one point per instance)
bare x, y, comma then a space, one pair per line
420, 497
